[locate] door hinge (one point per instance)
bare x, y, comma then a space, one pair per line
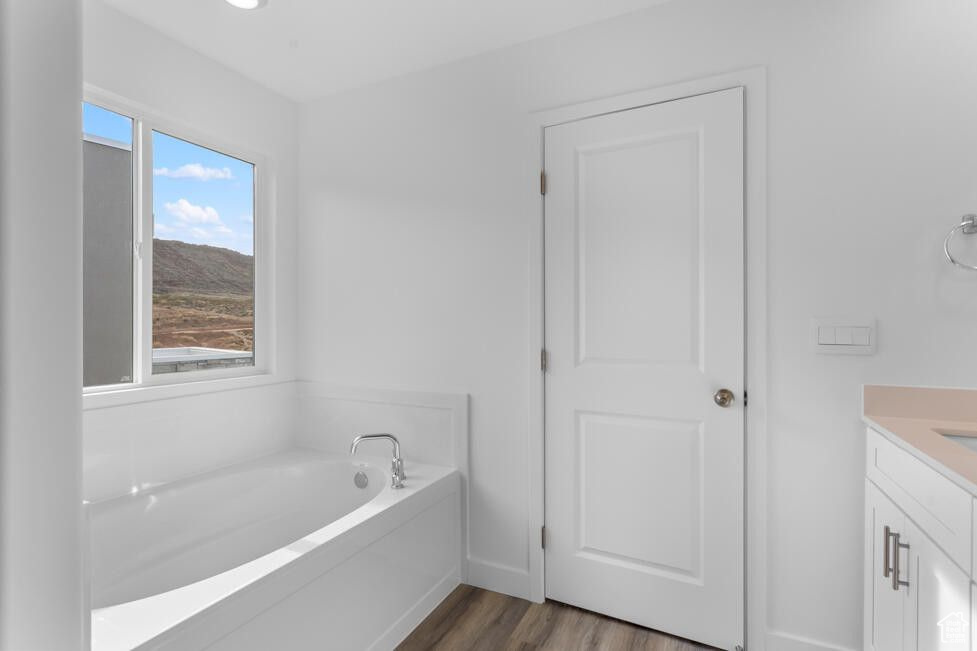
542, 182
746, 398
542, 536
543, 360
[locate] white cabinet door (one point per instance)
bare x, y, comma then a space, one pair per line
973, 615
940, 594
644, 324
886, 608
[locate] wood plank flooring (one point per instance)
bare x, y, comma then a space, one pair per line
472, 619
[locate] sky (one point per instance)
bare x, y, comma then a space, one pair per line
199, 195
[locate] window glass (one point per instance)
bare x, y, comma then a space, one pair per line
105, 124
107, 250
203, 258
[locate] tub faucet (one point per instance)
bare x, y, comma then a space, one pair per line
397, 475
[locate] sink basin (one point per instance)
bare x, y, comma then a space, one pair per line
967, 439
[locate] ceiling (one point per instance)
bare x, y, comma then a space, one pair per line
308, 48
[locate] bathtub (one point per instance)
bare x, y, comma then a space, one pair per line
298, 550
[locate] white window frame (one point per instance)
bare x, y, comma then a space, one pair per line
145, 385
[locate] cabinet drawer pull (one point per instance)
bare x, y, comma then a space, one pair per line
886, 567
896, 581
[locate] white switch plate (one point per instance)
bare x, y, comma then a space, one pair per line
845, 335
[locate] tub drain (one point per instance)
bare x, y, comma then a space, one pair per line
361, 480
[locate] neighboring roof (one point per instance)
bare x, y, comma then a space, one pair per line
108, 142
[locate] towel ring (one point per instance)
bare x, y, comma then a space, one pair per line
967, 226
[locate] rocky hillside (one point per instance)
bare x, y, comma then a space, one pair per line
179, 267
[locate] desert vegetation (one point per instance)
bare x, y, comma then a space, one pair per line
213, 321
202, 296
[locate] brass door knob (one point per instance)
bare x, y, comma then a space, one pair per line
723, 398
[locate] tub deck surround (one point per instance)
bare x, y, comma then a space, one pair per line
917, 419
186, 564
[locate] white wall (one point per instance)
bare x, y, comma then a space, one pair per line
144, 444
159, 441
41, 587
433, 427
413, 245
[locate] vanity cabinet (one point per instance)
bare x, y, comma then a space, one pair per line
918, 596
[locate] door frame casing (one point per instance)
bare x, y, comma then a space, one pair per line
753, 81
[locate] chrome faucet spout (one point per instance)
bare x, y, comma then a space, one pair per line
371, 437
397, 475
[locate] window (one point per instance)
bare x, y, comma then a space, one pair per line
169, 254
203, 258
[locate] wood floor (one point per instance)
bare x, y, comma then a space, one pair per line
475, 619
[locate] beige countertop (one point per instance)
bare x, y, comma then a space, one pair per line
913, 417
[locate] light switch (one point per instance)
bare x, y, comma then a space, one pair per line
844, 336
826, 335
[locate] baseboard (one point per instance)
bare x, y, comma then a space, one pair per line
780, 641
410, 620
496, 577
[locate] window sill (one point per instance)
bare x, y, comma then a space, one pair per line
104, 397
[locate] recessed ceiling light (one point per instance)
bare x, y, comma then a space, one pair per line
247, 4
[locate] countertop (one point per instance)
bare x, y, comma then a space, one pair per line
912, 418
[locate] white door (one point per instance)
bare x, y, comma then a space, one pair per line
886, 605
939, 596
644, 324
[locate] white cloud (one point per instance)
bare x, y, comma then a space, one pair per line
193, 214
200, 224
195, 171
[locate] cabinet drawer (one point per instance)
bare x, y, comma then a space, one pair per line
941, 508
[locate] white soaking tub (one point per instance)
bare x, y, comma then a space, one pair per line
292, 551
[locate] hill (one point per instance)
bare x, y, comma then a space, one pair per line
179, 267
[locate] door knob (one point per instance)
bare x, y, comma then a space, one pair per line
723, 398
